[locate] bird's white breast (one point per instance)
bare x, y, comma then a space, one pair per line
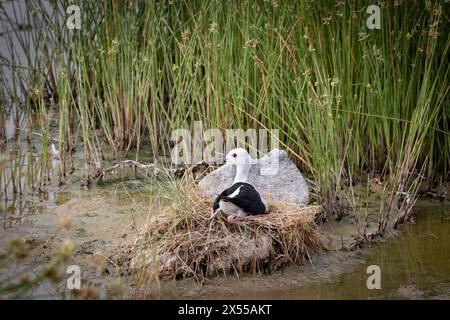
229, 208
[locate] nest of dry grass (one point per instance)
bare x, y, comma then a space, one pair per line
183, 241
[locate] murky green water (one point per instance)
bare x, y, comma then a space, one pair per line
416, 264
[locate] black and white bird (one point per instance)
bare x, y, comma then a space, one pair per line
241, 199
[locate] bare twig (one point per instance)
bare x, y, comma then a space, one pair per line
150, 168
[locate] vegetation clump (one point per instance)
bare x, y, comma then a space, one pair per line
183, 241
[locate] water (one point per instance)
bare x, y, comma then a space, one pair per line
415, 264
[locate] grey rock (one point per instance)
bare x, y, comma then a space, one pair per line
287, 184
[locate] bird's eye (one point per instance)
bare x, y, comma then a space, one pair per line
234, 155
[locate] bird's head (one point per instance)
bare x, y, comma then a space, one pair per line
238, 156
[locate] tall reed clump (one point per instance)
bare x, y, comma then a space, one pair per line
350, 102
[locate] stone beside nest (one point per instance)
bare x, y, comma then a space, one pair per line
183, 242
285, 184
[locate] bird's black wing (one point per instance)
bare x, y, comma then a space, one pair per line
248, 199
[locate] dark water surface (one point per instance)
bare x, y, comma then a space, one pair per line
416, 264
